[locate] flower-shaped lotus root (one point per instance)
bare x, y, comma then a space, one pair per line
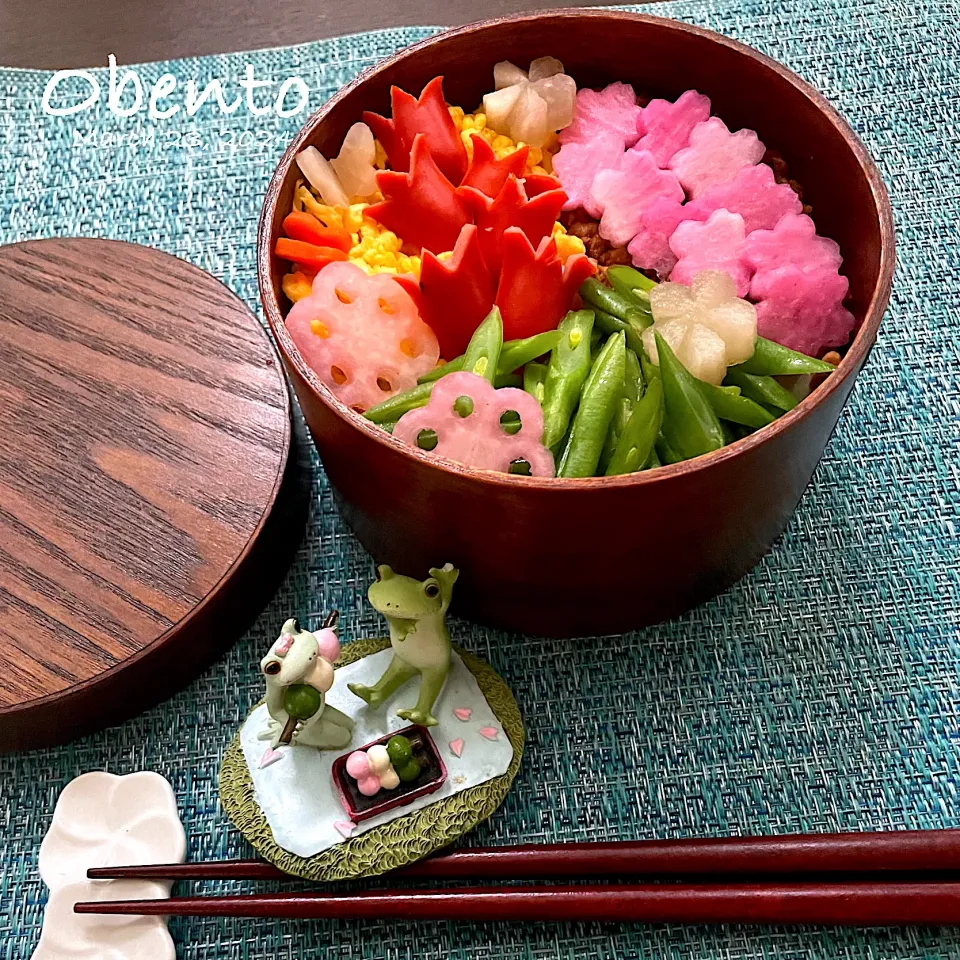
706, 325
668, 125
608, 114
361, 335
467, 420
714, 155
716, 244
792, 242
803, 309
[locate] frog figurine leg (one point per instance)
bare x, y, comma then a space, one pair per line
394, 677
431, 683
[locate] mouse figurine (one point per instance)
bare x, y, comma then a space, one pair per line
299, 671
416, 612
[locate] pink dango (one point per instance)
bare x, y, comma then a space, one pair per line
611, 113
792, 242
716, 244
464, 415
623, 192
714, 155
362, 335
577, 163
650, 246
803, 309
665, 127
358, 765
754, 194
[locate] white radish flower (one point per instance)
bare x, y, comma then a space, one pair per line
322, 177
528, 107
355, 165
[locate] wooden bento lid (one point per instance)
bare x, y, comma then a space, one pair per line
150, 501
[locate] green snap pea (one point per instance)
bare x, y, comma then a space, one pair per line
534, 376
728, 404
566, 372
393, 408
632, 392
761, 389
690, 427
508, 380
483, 351
595, 294
452, 366
650, 370
516, 353
772, 359
596, 341
601, 391
631, 284
640, 434
653, 460
632, 328
665, 453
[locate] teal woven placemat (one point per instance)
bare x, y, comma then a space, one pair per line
820, 693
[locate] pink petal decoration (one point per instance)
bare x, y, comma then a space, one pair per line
714, 155
463, 714
803, 309
668, 125
611, 113
714, 245
283, 647
344, 827
576, 164
270, 756
489, 733
650, 248
456, 747
792, 242
478, 439
753, 193
623, 192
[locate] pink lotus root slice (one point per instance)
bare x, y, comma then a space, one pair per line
576, 164
714, 155
611, 113
361, 335
478, 439
803, 309
666, 126
753, 193
650, 247
623, 193
716, 244
792, 242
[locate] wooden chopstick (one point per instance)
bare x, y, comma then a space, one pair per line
864, 904
911, 851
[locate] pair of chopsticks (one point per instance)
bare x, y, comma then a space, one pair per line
848, 879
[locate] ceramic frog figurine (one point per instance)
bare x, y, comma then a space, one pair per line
416, 612
299, 669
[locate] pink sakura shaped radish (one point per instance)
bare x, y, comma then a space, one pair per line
576, 164
361, 335
714, 245
650, 247
623, 192
464, 412
611, 114
666, 126
714, 155
803, 309
793, 241
754, 194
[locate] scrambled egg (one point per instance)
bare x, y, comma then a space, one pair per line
539, 160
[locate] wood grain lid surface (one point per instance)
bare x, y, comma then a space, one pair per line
144, 444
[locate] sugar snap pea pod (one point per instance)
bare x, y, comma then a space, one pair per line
772, 359
483, 351
632, 392
395, 407
632, 284
653, 460
763, 390
595, 294
452, 366
690, 427
534, 376
601, 391
568, 368
650, 370
633, 328
516, 353
728, 404
665, 453
641, 432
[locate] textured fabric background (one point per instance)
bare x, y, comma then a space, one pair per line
820, 693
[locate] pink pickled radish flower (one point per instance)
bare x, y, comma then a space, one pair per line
369, 786
716, 244
753, 193
803, 309
358, 765
478, 439
576, 164
650, 247
714, 155
611, 113
623, 192
666, 126
792, 242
